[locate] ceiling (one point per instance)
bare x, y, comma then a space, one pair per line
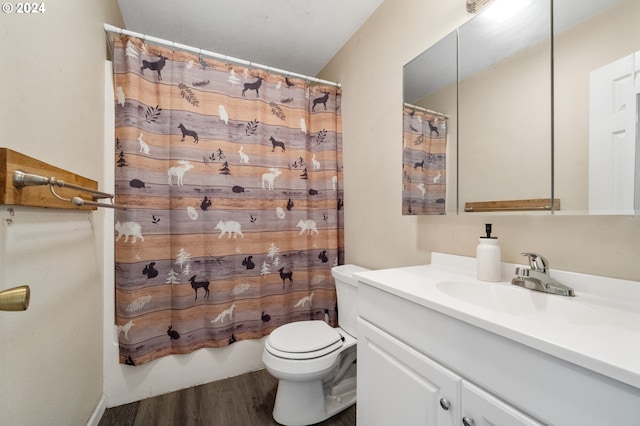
294, 35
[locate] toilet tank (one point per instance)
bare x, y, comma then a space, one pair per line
347, 294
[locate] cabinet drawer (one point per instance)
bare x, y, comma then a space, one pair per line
487, 410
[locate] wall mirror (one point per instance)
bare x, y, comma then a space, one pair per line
596, 86
429, 170
504, 106
522, 138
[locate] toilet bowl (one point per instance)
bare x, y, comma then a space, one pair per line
315, 363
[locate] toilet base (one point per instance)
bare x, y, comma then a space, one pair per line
336, 403
312, 406
309, 402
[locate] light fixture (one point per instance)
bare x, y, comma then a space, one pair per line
501, 10
474, 6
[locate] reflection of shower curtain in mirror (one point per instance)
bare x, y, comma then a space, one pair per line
233, 178
424, 162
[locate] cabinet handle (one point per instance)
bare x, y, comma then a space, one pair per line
445, 404
468, 421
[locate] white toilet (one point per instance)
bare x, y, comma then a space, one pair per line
315, 363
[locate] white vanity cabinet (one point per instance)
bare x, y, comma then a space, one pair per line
424, 359
399, 385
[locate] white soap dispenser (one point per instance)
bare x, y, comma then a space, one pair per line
488, 257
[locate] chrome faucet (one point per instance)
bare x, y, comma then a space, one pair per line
536, 277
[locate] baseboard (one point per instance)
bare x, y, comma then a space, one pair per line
98, 412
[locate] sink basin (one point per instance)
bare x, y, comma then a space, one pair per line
525, 303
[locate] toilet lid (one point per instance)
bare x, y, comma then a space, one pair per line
304, 336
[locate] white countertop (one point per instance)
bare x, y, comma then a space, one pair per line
599, 329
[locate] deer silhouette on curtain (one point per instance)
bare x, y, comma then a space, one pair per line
233, 178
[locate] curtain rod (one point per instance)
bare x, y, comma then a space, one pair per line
416, 107
180, 46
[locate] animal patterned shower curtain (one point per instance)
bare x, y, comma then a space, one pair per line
424, 163
233, 179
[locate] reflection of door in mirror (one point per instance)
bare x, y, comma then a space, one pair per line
612, 147
429, 123
590, 35
504, 106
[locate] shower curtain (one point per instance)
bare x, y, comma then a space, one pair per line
233, 181
424, 163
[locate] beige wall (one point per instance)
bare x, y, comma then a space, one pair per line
52, 108
376, 234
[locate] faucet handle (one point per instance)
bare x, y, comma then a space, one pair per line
522, 272
537, 262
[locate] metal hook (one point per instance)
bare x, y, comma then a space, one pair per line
55, 193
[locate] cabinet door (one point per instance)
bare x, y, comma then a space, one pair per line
399, 386
483, 409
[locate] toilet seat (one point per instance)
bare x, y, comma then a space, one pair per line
303, 340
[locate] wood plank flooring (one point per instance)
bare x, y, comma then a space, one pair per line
245, 400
